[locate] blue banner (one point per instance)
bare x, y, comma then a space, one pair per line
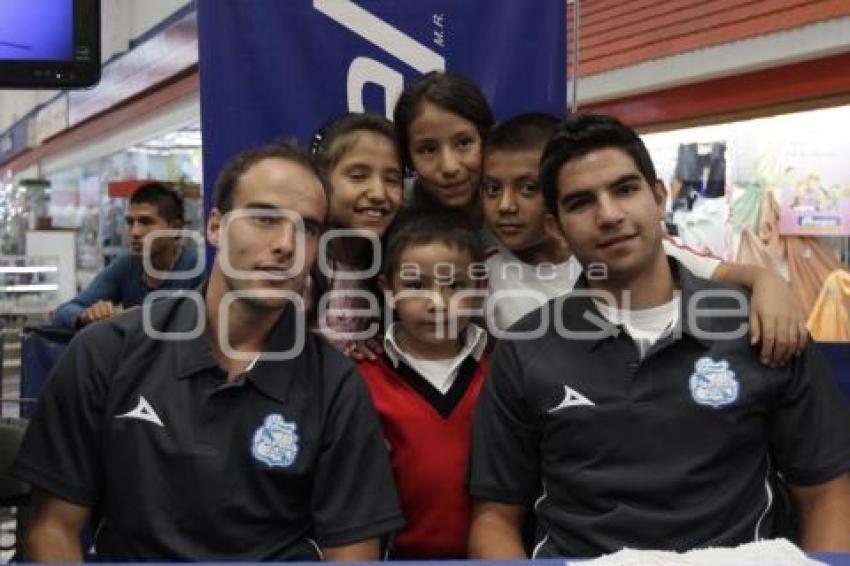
272, 69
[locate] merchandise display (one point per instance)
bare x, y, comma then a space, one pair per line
28, 284
830, 318
771, 169
745, 210
14, 216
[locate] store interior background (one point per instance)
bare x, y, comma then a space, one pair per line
65, 155
766, 81
77, 200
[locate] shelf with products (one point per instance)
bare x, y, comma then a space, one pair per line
29, 291
28, 284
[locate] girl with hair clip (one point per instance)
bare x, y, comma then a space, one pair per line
359, 156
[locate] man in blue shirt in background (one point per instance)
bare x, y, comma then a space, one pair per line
125, 282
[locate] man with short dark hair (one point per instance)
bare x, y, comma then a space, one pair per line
635, 412
125, 282
217, 426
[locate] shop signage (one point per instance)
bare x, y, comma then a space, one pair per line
815, 185
271, 69
812, 206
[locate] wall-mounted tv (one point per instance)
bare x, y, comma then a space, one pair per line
49, 43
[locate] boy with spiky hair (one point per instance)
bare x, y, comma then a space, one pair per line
533, 264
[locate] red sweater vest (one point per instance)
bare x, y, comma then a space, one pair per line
429, 452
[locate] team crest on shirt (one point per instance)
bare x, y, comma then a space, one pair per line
713, 383
275, 442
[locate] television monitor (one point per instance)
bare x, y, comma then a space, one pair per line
49, 43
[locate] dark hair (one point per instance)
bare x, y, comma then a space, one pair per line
523, 132
452, 92
168, 203
232, 171
421, 227
328, 145
336, 137
578, 135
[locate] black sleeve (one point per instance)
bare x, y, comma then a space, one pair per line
354, 493
810, 422
61, 452
505, 434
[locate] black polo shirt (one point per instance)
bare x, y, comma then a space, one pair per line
181, 464
673, 451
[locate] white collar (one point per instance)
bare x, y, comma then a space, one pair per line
475, 341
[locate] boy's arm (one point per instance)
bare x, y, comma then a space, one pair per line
808, 427
354, 500
67, 314
104, 288
776, 315
496, 531
825, 510
363, 551
54, 535
505, 458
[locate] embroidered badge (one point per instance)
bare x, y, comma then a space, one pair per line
713, 383
275, 442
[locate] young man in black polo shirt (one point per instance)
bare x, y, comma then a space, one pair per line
637, 413
216, 427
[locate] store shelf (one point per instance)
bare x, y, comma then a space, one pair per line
29, 288
11, 269
17, 310
29, 285
11, 326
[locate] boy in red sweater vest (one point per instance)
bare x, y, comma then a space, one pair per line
426, 384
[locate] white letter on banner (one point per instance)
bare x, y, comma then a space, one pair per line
373, 29
364, 70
